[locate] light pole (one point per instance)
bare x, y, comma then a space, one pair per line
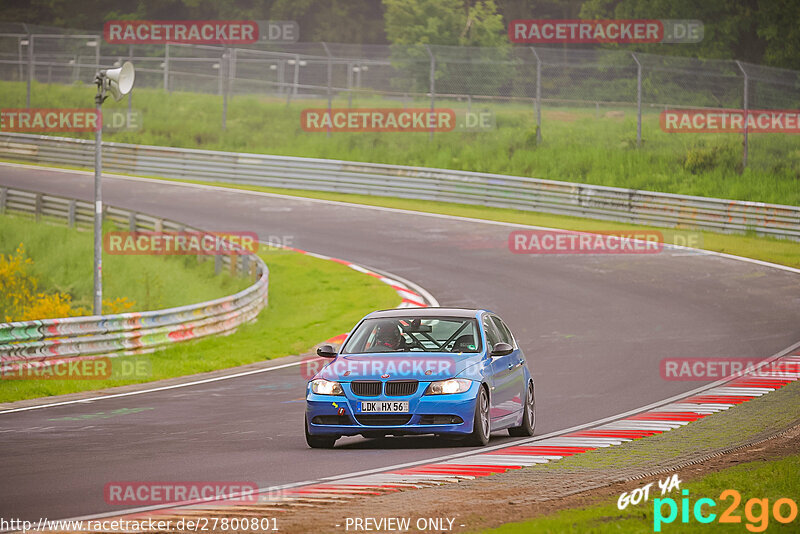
117, 82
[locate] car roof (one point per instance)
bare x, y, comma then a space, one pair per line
426, 312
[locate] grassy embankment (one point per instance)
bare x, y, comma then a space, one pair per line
310, 300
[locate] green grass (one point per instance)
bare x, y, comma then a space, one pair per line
310, 300
753, 480
63, 258
579, 144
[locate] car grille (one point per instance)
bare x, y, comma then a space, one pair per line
384, 419
401, 388
366, 389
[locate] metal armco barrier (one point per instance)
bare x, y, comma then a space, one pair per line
125, 333
564, 198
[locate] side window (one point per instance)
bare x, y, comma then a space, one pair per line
505, 333
492, 337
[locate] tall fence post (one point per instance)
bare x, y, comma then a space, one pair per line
638, 100
130, 93
30, 71
296, 80
232, 72
97, 52
224, 71
20, 62
330, 84
746, 99
538, 96
281, 76
432, 85
166, 67
349, 85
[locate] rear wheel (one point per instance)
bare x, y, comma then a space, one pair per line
319, 442
480, 424
528, 416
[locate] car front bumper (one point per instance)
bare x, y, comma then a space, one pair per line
428, 414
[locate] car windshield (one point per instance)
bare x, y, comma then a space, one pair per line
415, 334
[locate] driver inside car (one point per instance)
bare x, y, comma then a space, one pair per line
388, 338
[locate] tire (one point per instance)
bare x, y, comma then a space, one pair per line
528, 416
319, 442
481, 424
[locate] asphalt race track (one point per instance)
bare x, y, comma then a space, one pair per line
594, 326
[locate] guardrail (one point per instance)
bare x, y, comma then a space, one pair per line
125, 333
563, 198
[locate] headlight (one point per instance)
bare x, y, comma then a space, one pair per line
326, 387
446, 387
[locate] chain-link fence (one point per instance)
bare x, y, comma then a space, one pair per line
539, 76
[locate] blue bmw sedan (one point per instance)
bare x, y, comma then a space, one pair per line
444, 371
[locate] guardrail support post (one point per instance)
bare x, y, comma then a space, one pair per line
217, 264
245, 265
3, 200
38, 206
71, 214
132, 221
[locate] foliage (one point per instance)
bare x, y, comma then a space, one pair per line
758, 31
21, 298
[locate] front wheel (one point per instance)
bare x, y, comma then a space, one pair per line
480, 424
318, 442
528, 416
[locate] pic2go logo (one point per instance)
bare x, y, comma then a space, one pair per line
756, 511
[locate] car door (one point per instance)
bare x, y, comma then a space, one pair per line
502, 407
516, 361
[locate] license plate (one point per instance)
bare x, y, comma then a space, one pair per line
384, 407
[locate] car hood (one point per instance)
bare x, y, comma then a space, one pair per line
398, 366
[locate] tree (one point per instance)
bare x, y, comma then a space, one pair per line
451, 27
444, 22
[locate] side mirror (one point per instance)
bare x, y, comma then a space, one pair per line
501, 349
326, 351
